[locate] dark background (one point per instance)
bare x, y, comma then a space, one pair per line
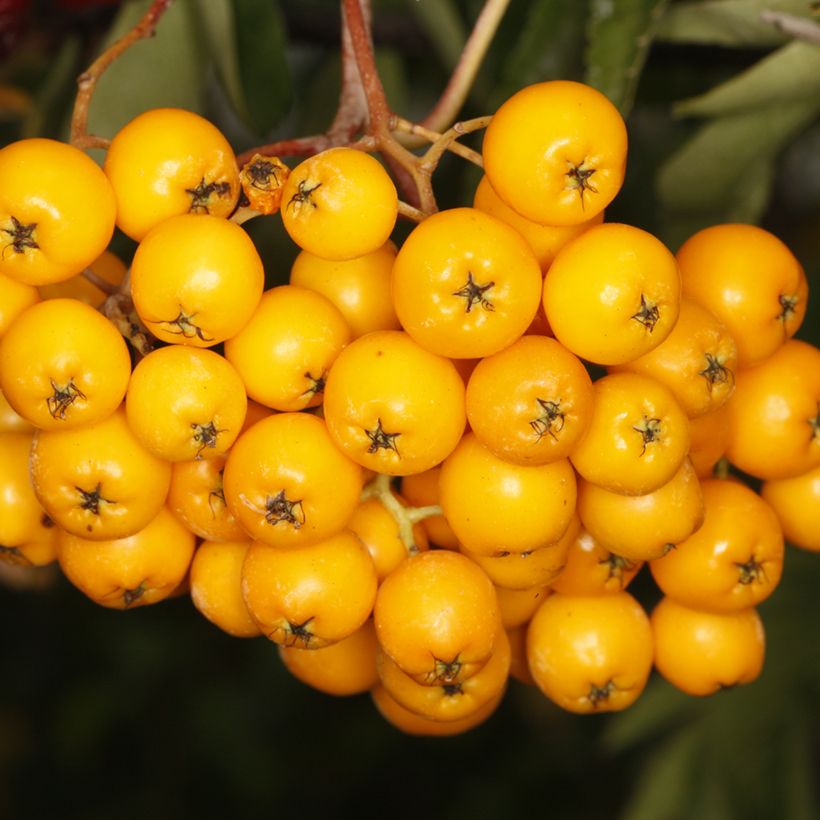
154, 712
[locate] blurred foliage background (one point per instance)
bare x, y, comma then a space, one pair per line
154, 712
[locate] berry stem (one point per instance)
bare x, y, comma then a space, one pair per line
87, 81
404, 516
106, 287
464, 74
409, 212
402, 162
364, 110
358, 26
118, 308
407, 127
352, 110
348, 121
433, 155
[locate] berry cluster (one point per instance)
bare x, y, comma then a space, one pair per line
418, 470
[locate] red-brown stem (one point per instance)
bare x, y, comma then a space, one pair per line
363, 106
377, 108
352, 111
349, 120
297, 147
87, 81
402, 162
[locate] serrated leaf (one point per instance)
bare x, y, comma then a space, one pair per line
443, 26
263, 67
661, 789
709, 172
164, 70
734, 23
790, 73
618, 39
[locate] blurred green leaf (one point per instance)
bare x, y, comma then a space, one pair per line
752, 194
618, 39
51, 101
711, 170
799, 798
662, 787
548, 45
661, 709
391, 70
790, 73
217, 21
164, 70
318, 95
734, 23
443, 26
263, 66
709, 798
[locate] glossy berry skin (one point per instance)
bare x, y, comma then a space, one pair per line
612, 294
166, 162
57, 211
465, 284
339, 204
555, 152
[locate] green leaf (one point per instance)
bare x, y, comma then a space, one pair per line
661, 708
263, 66
790, 73
752, 193
733, 23
619, 36
709, 798
50, 100
548, 45
390, 66
443, 26
216, 18
164, 70
662, 787
710, 171
800, 794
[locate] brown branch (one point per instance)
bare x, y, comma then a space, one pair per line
296, 147
348, 121
363, 107
402, 162
352, 111
359, 31
87, 81
464, 74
